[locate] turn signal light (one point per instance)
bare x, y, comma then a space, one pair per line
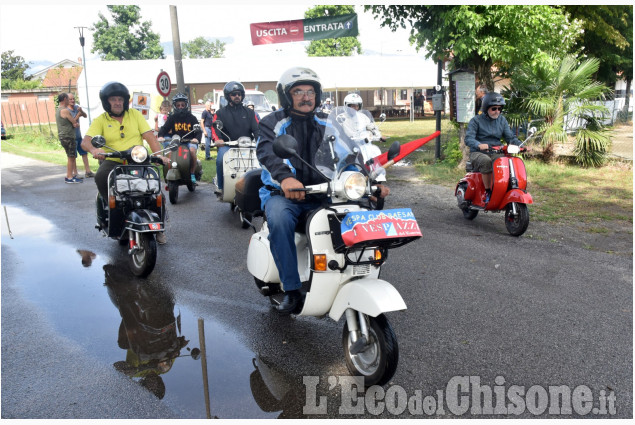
111, 202
159, 200
377, 255
319, 262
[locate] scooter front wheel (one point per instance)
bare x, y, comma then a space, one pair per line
377, 360
143, 259
173, 189
517, 224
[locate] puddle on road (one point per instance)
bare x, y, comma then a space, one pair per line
137, 327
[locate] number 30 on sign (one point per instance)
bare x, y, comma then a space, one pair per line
164, 85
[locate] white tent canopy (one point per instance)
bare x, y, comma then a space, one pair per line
336, 73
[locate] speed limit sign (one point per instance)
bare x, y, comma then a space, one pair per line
164, 85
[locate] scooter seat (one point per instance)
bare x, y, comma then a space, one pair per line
247, 188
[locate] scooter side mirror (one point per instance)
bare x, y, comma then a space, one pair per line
218, 124
382, 117
531, 132
98, 141
393, 151
196, 127
285, 146
176, 139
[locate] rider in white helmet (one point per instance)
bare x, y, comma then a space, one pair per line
354, 101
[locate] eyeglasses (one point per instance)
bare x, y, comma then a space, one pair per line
301, 93
234, 94
121, 132
496, 108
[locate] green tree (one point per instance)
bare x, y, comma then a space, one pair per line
557, 92
488, 39
126, 38
201, 48
343, 46
14, 67
608, 36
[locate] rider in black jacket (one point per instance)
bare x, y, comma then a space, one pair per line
238, 121
181, 122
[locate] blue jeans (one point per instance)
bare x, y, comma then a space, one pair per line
219, 166
208, 141
282, 217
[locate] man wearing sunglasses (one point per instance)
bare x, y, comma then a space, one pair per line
122, 128
238, 121
483, 132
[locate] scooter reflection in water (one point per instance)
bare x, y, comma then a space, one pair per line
149, 331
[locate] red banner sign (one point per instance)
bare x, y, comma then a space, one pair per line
277, 32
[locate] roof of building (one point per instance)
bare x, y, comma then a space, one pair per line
62, 77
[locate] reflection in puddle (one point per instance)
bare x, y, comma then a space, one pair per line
135, 325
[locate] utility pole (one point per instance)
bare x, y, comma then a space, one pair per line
81, 41
178, 59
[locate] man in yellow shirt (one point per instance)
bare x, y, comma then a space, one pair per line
121, 127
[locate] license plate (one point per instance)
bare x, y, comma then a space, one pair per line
361, 269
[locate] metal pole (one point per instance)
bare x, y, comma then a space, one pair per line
437, 153
81, 41
178, 59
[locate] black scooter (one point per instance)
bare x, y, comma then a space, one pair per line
134, 211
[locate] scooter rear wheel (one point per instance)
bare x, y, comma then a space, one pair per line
516, 225
377, 362
143, 260
469, 214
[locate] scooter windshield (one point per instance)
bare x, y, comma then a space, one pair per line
346, 134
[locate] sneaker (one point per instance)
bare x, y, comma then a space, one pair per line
89, 174
487, 196
193, 178
161, 239
73, 180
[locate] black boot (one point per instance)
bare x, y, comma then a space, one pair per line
290, 302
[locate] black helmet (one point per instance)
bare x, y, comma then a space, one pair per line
180, 97
294, 76
114, 88
233, 86
492, 99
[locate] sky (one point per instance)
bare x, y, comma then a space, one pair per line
44, 34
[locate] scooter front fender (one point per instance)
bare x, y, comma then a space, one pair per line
516, 195
370, 296
144, 221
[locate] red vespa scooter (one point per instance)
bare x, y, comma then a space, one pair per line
509, 192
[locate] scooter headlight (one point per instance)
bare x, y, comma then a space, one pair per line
244, 142
139, 154
354, 185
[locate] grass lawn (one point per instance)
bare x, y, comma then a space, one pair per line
561, 192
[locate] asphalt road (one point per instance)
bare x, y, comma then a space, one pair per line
511, 317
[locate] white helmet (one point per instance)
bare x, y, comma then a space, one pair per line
353, 99
328, 100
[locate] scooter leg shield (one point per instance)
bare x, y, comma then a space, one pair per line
173, 174
369, 296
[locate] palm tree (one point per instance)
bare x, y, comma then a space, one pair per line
559, 92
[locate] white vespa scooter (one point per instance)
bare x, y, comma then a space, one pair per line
340, 252
239, 159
